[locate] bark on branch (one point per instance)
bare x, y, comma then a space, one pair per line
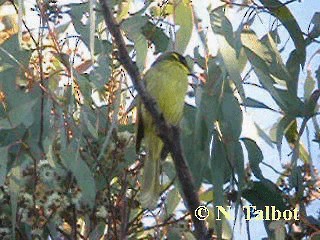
170, 135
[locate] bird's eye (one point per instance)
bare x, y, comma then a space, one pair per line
183, 60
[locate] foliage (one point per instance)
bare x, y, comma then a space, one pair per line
68, 166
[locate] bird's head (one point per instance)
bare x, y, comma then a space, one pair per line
174, 58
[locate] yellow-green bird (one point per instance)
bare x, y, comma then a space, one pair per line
167, 83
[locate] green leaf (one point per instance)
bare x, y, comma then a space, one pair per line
260, 57
183, 18
255, 156
130, 154
197, 144
264, 193
268, 66
280, 11
101, 73
168, 168
291, 132
207, 196
212, 224
278, 230
315, 32
263, 135
232, 116
309, 85
14, 186
85, 88
218, 168
72, 161
98, 232
174, 233
156, 35
250, 102
317, 73
282, 128
3, 164
258, 53
296, 181
12, 54
304, 154
311, 105
123, 12
21, 114
194, 141
293, 66
133, 27
198, 59
141, 46
207, 97
188, 236
223, 28
77, 11
277, 67
52, 227
93, 131
239, 166
173, 200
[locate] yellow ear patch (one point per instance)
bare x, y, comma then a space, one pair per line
176, 56
180, 59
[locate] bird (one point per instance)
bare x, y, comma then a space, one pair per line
167, 82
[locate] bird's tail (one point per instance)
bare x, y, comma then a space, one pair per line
150, 188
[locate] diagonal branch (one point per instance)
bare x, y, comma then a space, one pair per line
170, 135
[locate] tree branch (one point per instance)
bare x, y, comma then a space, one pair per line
170, 135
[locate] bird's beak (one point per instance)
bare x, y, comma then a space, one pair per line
192, 75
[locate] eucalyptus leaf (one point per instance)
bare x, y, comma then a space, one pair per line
18, 115
156, 35
232, 116
77, 11
81, 171
183, 18
89, 125
218, 167
270, 70
282, 128
278, 230
123, 12
101, 73
98, 232
223, 28
309, 85
264, 193
293, 66
173, 200
281, 12
315, 32
250, 102
194, 143
85, 88
14, 186
133, 27
264, 135
3, 164
255, 156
